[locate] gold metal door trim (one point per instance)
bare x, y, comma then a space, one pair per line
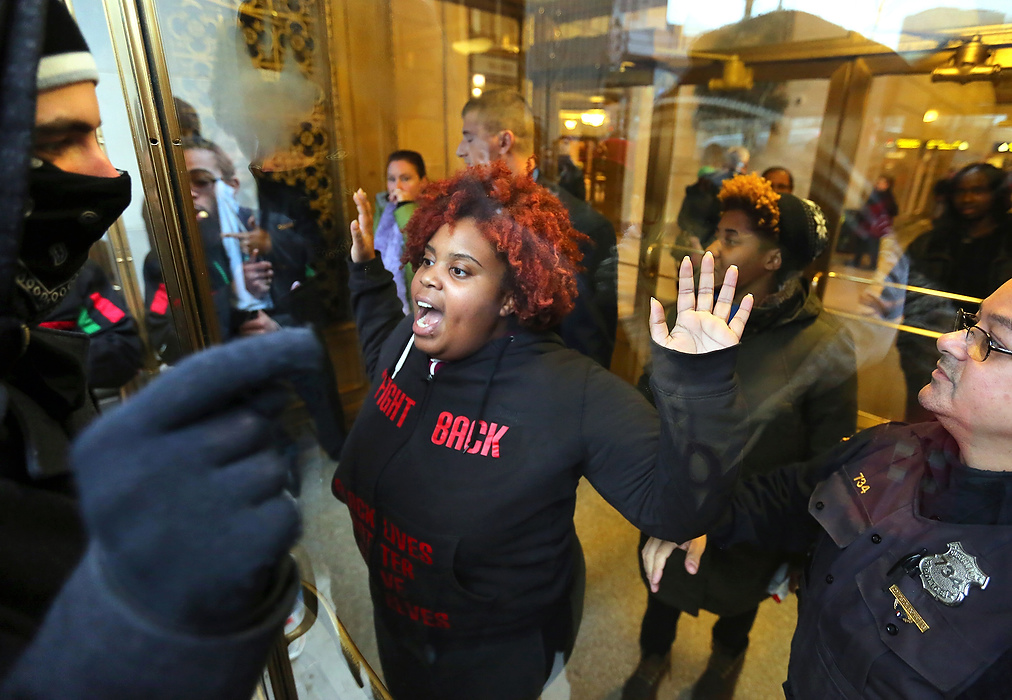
137, 46
357, 663
875, 321
279, 671
926, 291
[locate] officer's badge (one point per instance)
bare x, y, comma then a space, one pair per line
947, 577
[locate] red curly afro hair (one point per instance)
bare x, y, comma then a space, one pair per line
525, 223
753, 195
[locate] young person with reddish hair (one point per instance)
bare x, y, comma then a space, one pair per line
461, 471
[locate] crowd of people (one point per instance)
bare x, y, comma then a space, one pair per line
144, 551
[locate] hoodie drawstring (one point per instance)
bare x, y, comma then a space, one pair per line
404, 356
488, 382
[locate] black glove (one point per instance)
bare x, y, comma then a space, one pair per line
182, 487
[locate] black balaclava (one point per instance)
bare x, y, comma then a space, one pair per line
65, 213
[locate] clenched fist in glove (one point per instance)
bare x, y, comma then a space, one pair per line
182, 488
186, 580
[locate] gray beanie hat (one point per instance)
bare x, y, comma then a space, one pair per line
65, 56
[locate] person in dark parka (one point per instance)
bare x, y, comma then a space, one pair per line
968, 251
798, 375
148, 557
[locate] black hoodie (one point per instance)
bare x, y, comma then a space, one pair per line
462, 484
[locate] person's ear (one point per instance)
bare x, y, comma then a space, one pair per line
508, 307
773, 260
232, 182
505, 141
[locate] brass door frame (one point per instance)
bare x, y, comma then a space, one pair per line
170, 216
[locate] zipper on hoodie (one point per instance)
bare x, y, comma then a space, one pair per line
434, 366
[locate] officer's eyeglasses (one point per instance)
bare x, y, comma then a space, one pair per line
979, 342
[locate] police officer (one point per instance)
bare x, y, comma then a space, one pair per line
906, 593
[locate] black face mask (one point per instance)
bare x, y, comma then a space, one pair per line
66, 214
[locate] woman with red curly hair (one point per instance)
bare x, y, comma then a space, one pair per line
461, 470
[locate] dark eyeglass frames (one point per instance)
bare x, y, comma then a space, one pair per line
202, 180
979, 342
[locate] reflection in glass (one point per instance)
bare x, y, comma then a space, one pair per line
639, 105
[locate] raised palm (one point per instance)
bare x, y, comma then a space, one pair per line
362, 248
701, 326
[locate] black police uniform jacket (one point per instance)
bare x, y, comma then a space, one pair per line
462, 484
889, 493
94, 307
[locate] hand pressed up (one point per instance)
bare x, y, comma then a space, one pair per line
702, 325
362, 247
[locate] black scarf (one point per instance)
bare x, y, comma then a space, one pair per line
65, 214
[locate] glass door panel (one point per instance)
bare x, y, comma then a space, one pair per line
916, 134
712, 124
298, 104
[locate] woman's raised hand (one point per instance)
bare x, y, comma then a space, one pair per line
362, 249
702, 326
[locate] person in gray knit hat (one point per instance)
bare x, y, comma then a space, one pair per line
143, 553
797, 373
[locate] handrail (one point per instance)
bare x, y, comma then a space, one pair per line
886, 324
817, 279
687, 249
866, 419
906, 287
356, 661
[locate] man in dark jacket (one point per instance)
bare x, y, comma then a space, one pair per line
149, 558
797, 373
93, 307
700, 210
255, 270
906, 591
498, 125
